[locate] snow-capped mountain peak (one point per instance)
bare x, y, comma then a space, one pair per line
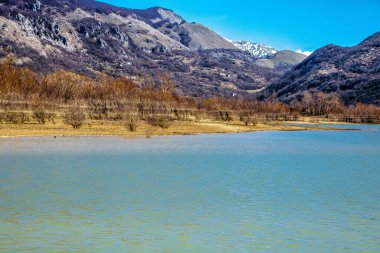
257, 50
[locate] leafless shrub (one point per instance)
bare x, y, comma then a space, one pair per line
161, 121
97, 109
41, 112
131, 121
181, 115
14, 117
248, 118
51, 116
198, 115
224, 116
40, 115
75, 117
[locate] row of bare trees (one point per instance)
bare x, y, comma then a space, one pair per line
318, 104
322, 104
153, 100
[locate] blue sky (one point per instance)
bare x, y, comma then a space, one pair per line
284, 24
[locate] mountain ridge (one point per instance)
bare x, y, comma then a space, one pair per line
352, 72
91, 37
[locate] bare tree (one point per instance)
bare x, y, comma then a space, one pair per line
75, 117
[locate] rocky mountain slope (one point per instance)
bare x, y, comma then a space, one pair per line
353, 72
90, 37
193, 36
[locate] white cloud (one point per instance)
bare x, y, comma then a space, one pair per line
228, 40
304, 52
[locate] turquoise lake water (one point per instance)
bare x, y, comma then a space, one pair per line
312, 191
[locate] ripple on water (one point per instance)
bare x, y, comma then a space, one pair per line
262, 192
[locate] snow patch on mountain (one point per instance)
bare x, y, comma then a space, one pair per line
255, 49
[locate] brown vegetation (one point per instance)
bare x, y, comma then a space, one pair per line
131, 120
248, 117
331, 106
62, 95
75, 117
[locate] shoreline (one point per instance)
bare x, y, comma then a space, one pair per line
178, 128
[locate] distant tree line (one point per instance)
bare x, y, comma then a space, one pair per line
75, 98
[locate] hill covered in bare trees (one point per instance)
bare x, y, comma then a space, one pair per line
351, 72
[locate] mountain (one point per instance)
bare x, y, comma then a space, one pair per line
151, 29
270, 57
352, 72
255, 49
192, 35
284, 59
91, 37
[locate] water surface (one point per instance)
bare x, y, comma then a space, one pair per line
314, 191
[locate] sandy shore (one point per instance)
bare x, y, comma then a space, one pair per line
106, 128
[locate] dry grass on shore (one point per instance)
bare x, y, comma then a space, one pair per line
107, 128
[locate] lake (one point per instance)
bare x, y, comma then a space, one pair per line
311, 191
